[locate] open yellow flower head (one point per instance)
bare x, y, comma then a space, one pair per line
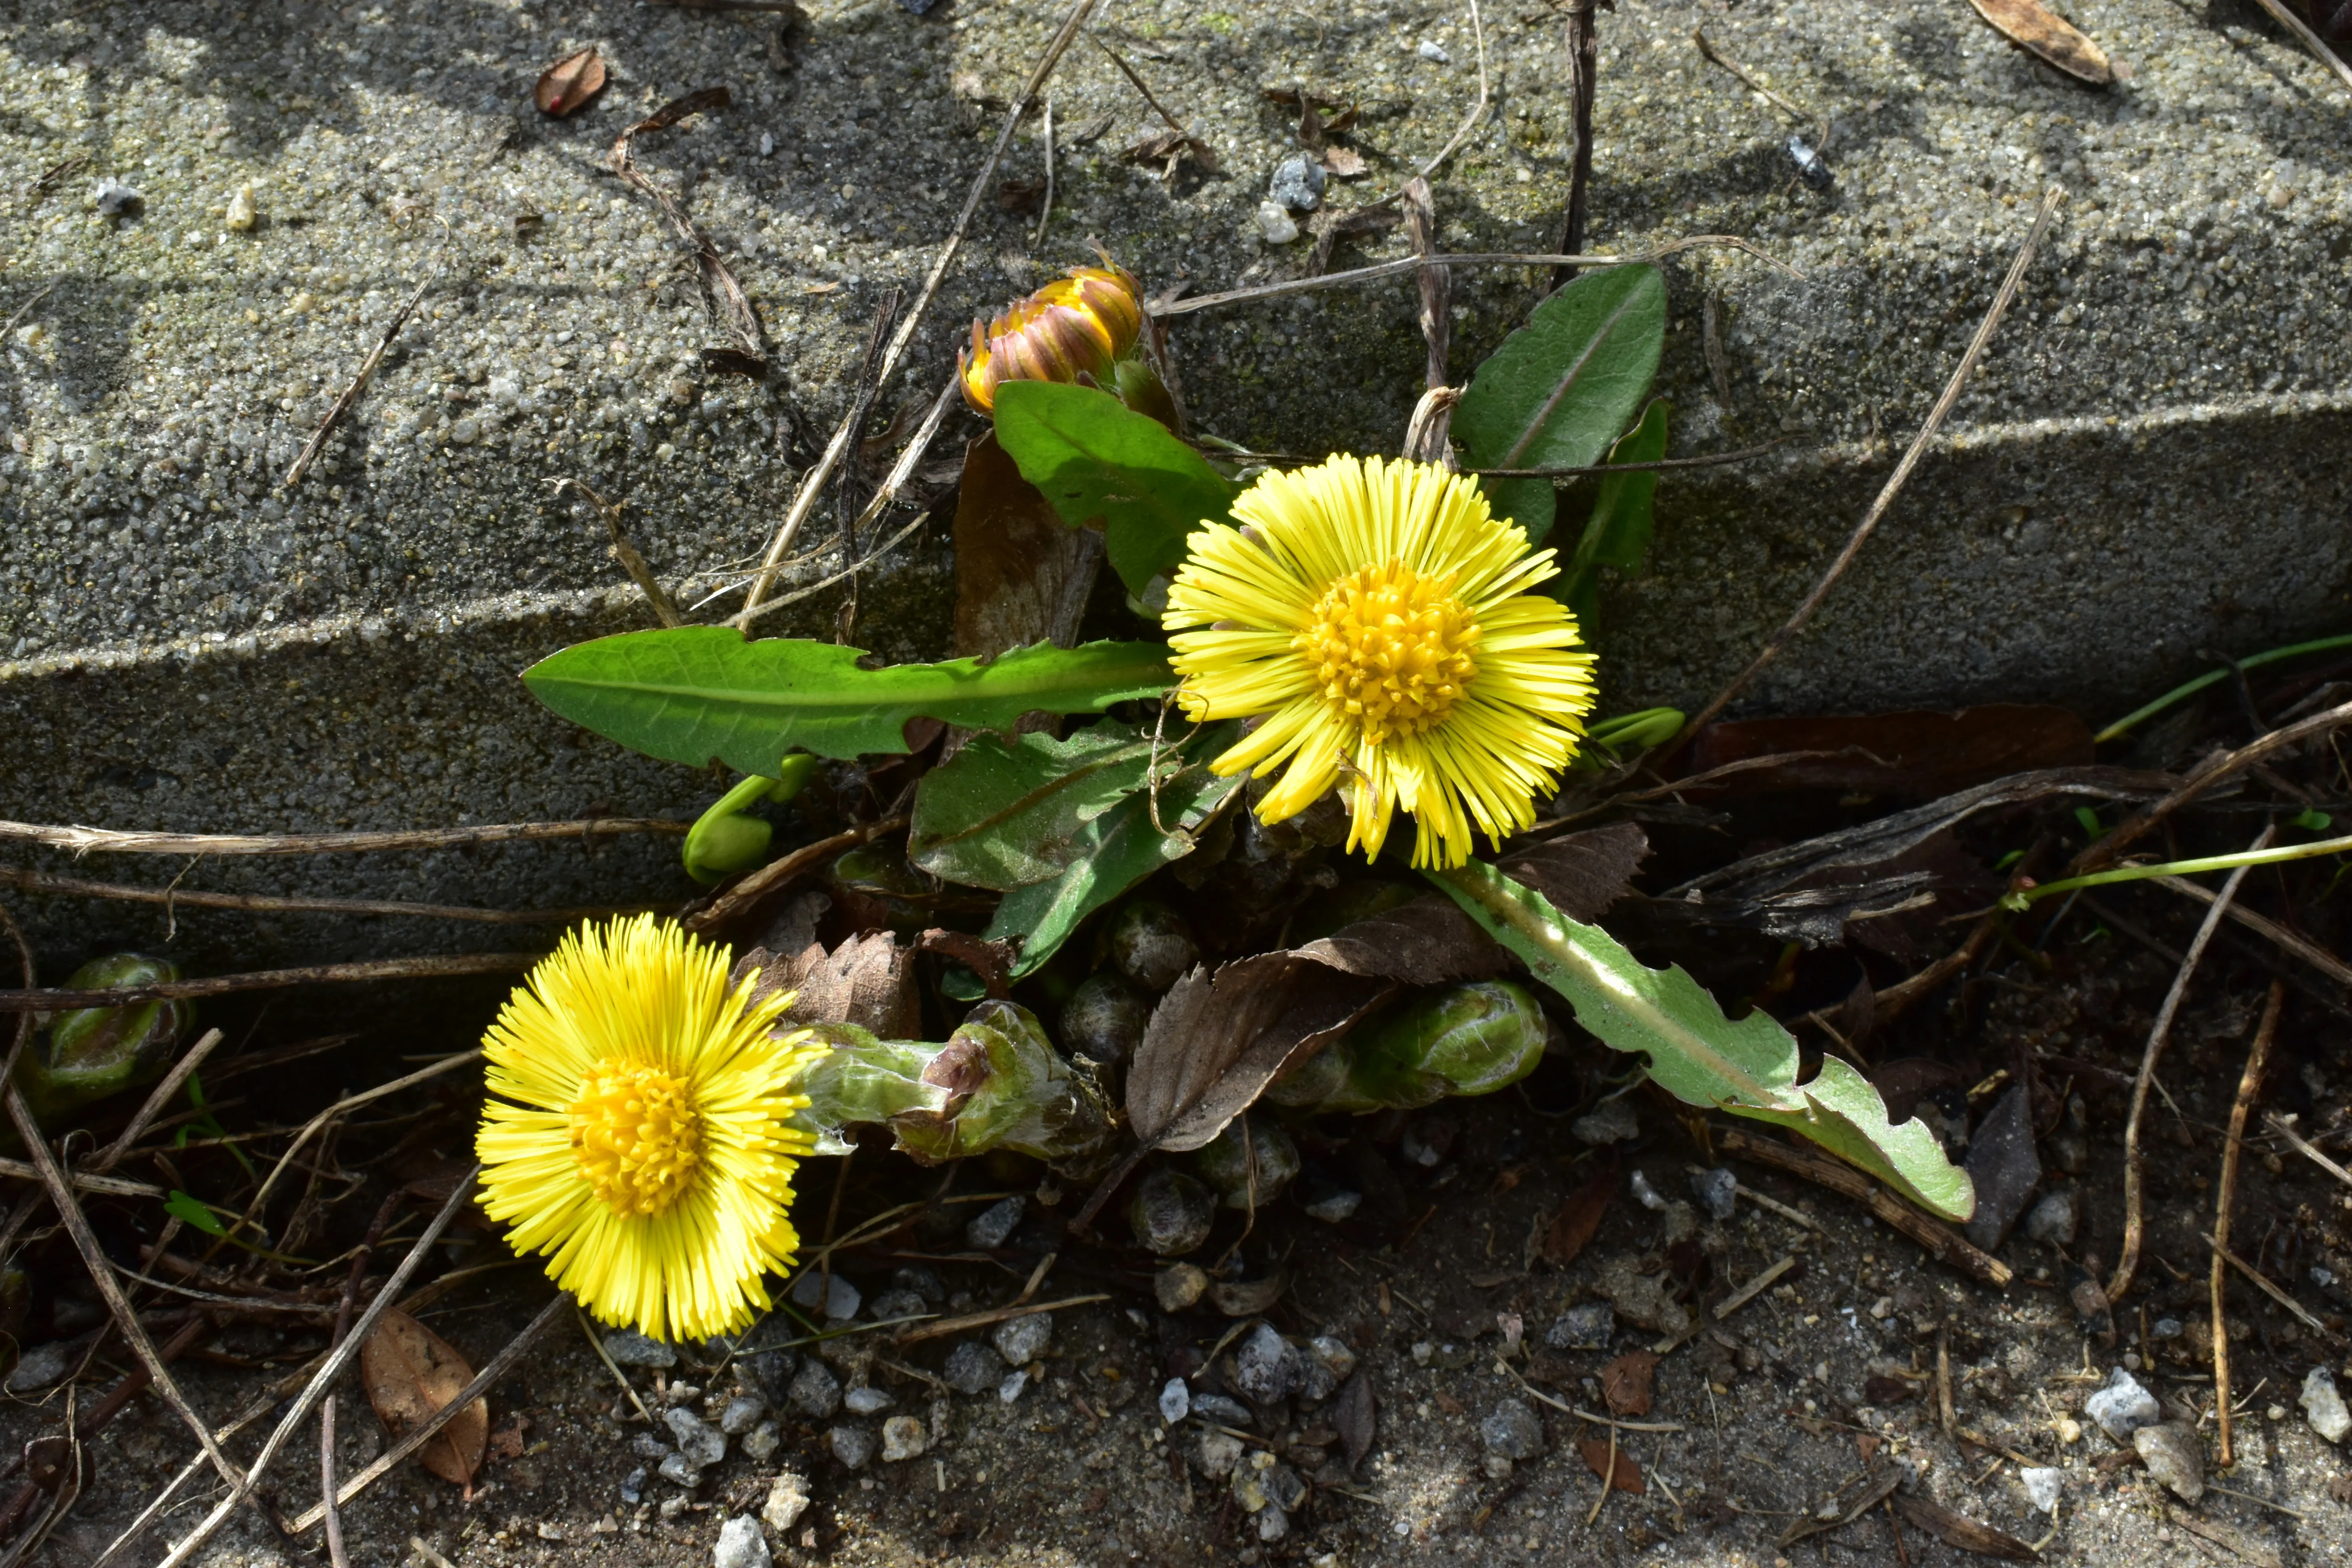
639, 1132
1075, 325
1380, 619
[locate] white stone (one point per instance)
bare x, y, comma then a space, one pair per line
2043, 1485
742, 1413
867, 1401
1434, 52
2323, 1406
242, 213
740, 1544
1175, 1401
904, 1438
2123, 1406
788, 1499
840, 1296
1219, 1453
761, 1442
1275, 224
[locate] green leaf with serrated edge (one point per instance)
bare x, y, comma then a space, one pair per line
1747, 1068
1002, 814
1617, 533
1093, 456
1116, 852
687, 694
1562, 387
1843, 1114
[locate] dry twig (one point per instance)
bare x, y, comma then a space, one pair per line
1937, 1238
2248, 1083
2303, 948
108, 841
41, 1000
1160, 308
262, 903
2301, 1146
2120, 1281
2283, 15
625, 552
1895, 482
722, 295
359, 383
2213, 771
776, 873
1583, 47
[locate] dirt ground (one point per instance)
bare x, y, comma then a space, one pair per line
1757, 1420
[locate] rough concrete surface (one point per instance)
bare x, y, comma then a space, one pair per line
2147, 467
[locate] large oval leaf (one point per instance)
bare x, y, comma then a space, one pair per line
1564, 386
687, 694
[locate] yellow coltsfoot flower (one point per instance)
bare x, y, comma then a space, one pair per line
641, 1136
1381, 618
1077, 325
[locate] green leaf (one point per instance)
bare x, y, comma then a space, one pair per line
1617, 533
687, 694
190, 1210
1115, 850
1003, 815
1560, 388
1747, 1068
1094, 457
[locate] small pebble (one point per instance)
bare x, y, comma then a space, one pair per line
1434, 52
38, 1368
2054, 1218
767, 144
988, 1229
1218, 1453
1513, 1430
1331, 1204
895, 1304
1180, 1284
743, 1413
1175, 1401
852, 1446
2123, 1406
1298, 184
676, 1468
761, 1442
1274, 225
921, 1282
1021, 1341
700, 1444
1267, 1367
815, 1393
788, 1499
2043, 1485
1171, 1213
1611, 1121
1221, 1409
1009, 1389
647, 1446
117, 200
674, 1505
2323, 1406
1329, 1361
740, 1544
840, 1296
1645, 1194
1272, 1522
633, 1485
1717, 1192
2174, 1456
1587, 1326
904, 1438
629, 1348
242, 212
867, 1401
973, 1368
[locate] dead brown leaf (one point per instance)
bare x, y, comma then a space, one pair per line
1958, 1529
1356, 1416
410, 1373
1624, 1476
1344, 164
1022, 576
1583, 873
1021, 197
569, 82
1578, 1219
506, 1441
868, 981
2033, 25
1625, 1383
1906, 757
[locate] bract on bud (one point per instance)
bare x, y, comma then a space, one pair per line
93, 1052
1081, 324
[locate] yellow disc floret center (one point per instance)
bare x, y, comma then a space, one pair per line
636, 1137
1392, 649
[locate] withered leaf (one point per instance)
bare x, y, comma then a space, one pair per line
410, 1373
1344, 164
1625, 1383
1248, 1298
1908, 756
1023, 196
569, 82
1583, 873
868, 981
1214, 1043
1882, 1391
2034, 26
1022, 576
1356, 1416
1578, 1218
1958, 1529
1427, 942
1625, 1476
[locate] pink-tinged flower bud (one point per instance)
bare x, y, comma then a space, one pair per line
1077, 325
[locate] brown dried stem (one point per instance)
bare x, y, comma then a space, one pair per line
2248, 1083
722, 295
259, 903
1399, 267
1583, 46
2214, 770
776, 873
358, 382
2128, 1262
1895, 482
53, 1000
625, 552
352, 1284
108, 841
1940, 1239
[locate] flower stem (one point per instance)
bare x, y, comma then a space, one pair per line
2025, 897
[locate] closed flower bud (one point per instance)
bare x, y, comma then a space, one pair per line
1077, 325
1225, 1161
1462, 1040
1171, 1213
93, 1052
